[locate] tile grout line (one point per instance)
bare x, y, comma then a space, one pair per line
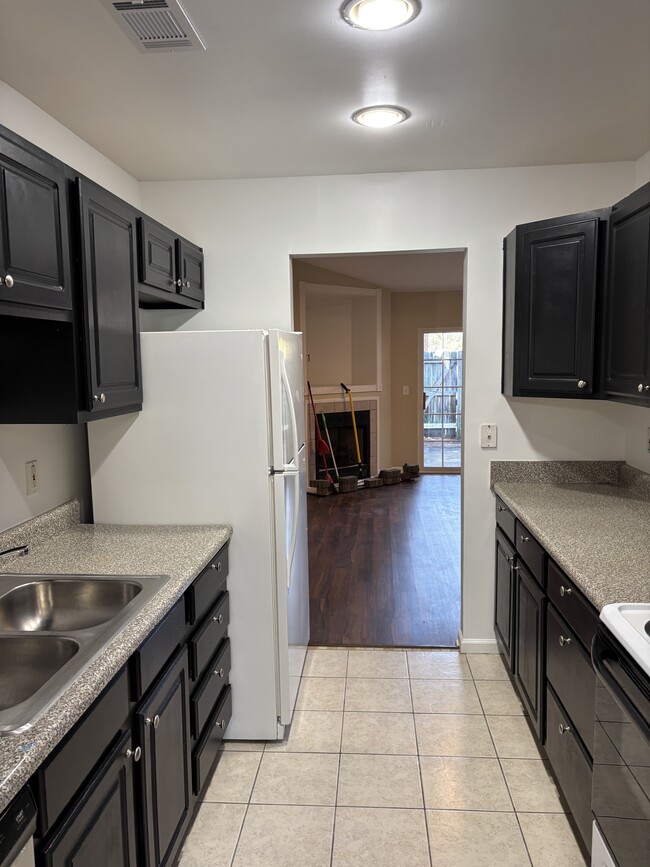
417, 749
248, 803
505, 780
338, 773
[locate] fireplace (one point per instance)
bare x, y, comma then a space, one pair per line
339, 425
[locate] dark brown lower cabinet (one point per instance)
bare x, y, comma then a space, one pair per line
99, 830
165, 776
570, 764
504, 606
530, 629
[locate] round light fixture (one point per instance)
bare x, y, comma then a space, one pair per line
380, 14
380, 116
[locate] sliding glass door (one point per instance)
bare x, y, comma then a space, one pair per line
442, 400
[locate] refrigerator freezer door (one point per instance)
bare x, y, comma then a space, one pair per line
289, 491
287, 411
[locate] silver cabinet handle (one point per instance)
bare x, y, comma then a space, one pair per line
187, 284
501, 508
155, 721
639, 387
99, 398
646, 388
582, 383
564, 729
565, 591
516, 568
220, 725
564, 641
525, 538
218, 619
9, 281
216, 566
178, 283
219, 672
136, 754
510, 559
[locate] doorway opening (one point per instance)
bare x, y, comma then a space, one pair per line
441, 417
384, 559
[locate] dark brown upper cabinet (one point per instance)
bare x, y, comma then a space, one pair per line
110, 301
627, 368
551, 290
170, 268
34, 244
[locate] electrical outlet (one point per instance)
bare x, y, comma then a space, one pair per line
488, 436
406, 390
31, 477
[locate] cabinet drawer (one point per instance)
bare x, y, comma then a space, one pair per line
578, 612
531, 551
571, 766
153, 653
569, 670
207, 692
61, 776
206, 751
505, 519
207, 586
205, 641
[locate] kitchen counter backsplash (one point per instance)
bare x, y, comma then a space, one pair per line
42, 527
557, 472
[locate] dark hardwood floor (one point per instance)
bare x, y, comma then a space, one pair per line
384, 565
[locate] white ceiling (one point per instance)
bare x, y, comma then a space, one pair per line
489, 83
400, 272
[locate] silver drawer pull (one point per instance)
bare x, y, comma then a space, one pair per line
564, 641
564, 729
218, 619
218, 672
155, 722
525, 538
565, 591
216, 566
510, 559
220, 725
501, 508
582, 383
135, 754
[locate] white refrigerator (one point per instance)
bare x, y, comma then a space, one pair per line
221, 439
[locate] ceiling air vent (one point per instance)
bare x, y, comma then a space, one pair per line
156, 25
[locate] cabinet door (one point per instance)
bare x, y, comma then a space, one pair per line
100, 828
110, 297
504, 604
34, 245
530, 628
157, 259
555, 307
190, 270
163, 727
628, 298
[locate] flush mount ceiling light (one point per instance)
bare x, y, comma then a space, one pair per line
379, 14
380, 116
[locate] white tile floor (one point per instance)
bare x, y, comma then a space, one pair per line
394, 759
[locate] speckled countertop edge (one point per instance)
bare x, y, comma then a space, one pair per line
59, 544
608, 560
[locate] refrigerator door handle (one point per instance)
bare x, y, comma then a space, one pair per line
294, 528
292, 415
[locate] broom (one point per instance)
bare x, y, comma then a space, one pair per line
322, 449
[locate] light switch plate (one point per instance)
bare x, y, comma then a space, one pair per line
488, 436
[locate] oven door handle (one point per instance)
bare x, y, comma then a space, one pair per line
611, 668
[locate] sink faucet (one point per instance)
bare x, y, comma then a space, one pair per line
21, 550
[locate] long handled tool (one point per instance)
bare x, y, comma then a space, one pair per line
322, 449
354, 426
329, 443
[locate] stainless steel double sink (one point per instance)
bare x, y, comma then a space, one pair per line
51, 628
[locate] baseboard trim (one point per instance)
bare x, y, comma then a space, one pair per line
477, 645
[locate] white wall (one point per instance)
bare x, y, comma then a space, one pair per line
643, 170
249, 229
60, 449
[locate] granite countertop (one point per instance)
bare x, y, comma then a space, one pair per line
59, 543
598, 530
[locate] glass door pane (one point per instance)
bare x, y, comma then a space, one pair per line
442, 399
